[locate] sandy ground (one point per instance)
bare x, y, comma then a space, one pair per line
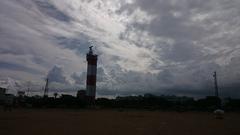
113, 122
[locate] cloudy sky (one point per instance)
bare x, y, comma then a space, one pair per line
144, 46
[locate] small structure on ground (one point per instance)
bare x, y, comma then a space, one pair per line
219, 113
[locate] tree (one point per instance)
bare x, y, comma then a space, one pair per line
55, 95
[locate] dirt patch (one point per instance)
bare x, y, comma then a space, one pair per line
111, 122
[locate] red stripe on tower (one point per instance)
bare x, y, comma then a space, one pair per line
91, 74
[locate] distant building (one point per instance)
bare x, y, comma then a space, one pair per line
3, 91
8, 102
6, 99
2, 94
21, 93
81, 94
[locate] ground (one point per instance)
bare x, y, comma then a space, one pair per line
114, 122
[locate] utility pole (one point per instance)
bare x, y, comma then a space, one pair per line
28, 88
215, 83
46, 89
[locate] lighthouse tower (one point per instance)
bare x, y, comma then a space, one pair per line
91, 74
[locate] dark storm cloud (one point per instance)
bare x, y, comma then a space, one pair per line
174, 19
200, 37
165, 76
79, 44
181, 51
144, 46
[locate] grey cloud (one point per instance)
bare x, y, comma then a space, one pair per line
165, 23
79, 78
101, 75
181, 51
56, 74
50, 10
18, 67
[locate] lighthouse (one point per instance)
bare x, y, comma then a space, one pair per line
91, 74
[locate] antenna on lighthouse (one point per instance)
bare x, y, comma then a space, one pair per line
90, 50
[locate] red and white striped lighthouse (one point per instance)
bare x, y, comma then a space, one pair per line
91, 74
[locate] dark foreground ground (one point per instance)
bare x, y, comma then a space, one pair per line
113, 122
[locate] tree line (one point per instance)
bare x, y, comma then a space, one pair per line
143, 102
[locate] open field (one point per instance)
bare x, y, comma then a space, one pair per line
113, 122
